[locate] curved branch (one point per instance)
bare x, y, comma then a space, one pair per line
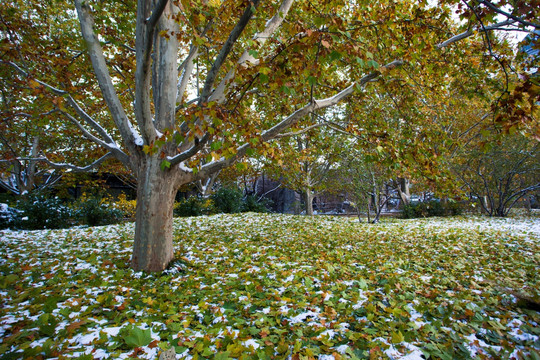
112, 146
468, 33
290, 120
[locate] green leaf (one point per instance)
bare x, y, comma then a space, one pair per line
373, 64
137, 337
335, 55
165, 165
216, 145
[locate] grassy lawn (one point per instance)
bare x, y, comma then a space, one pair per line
276, 286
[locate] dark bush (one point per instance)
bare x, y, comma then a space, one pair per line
250, 203
192, 206
454, 208
94, 212
227, 200
42, 212
431, 208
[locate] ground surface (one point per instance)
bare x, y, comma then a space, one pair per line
263, 286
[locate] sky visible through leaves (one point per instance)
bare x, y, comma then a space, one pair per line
276, 286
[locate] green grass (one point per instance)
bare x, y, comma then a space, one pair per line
275, 286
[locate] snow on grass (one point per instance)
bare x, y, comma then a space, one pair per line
274, 286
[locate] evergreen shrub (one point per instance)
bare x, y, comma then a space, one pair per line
228, 200
96, 212
431, 208
43, 212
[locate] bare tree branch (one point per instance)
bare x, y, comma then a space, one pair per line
271, 26
508, 15
71, 167
190, 152
112, 147
300, 132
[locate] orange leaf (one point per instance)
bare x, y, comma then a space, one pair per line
74, 326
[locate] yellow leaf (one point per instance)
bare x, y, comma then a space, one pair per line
397, 337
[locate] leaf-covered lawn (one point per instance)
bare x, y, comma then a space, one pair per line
276, 286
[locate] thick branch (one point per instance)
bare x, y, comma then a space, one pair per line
102, 73
187, 69
226, 49
175, 160
271, 26
156, 14
112, 146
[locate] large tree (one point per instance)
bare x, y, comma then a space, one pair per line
186, 88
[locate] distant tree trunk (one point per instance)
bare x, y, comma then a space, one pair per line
368, 211
153, 245
308, 198
403, 190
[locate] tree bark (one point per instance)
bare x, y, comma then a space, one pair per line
308, 198
403, 190
153, 245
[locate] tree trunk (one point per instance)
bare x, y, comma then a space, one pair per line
308, 198
153, 245
368, 210
403, 190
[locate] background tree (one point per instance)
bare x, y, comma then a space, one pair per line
305, 161
501, 173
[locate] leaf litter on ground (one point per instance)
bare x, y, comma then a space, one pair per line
272, 286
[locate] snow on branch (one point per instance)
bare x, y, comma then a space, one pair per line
71, 167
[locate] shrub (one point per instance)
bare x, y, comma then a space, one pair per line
431, 208
127, 207
250, 203
40, 212
227, 200
192, 206
96, 211
454, 208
